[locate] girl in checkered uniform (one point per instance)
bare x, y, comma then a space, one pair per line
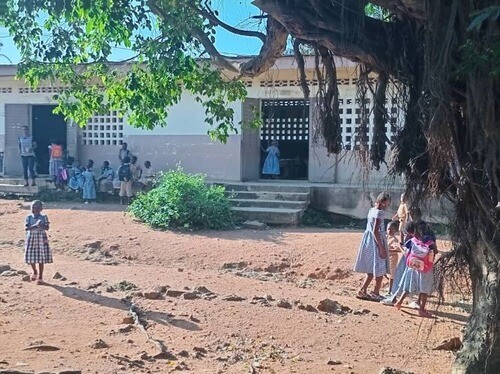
37, 249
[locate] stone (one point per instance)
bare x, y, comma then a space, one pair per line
137, 294
9, 273
152, 295
180, 270
4, 268
57, 275
233, 298
174, 293
191, 295
63, 279
22, 272
161, 289
284, 304
388, 370
194, 319
202, 289
97, 244
183, 353
70, 372
361, 312
26, 278
334, 362
333, 307
454, 344
98, 344
254, 225
200, 350
129, 320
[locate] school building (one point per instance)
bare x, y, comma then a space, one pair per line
287, 118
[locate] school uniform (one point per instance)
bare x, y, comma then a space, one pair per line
37, 250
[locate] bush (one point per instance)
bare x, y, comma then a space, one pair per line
184, 201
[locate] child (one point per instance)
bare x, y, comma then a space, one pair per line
272, 163
393, 244
402, 216
62, 178
37, 249
75, 181
55, 159
147, 176
89, 189
105, 180
372, 255
125, 177
418, 276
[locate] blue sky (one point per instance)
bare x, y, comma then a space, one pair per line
234, 12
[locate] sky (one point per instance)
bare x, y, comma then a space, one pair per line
234, 12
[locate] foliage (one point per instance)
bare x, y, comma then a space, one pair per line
71, 42
184, 201
51, 195
315, 218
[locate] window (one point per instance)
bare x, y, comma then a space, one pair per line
99, 130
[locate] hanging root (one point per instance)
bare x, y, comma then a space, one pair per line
379, 139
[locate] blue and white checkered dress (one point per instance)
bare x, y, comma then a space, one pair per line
368, 260
37, 250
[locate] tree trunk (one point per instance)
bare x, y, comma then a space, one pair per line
480, 353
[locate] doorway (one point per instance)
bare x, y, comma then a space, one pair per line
286, 122
46, 127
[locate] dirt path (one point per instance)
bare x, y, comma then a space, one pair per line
97, 247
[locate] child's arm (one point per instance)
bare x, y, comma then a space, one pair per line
381, 248
395, 217
47, 223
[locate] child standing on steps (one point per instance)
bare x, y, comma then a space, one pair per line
37, 249
372, 255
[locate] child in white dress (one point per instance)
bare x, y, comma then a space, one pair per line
372, 255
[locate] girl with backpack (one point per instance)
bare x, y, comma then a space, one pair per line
125, 177
418, 276
56, 159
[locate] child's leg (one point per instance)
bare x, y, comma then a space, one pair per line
422, 301
391, 283
378, 284
400, 301
366, 283
34, 276
40, 273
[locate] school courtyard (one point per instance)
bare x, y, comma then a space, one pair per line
239, 301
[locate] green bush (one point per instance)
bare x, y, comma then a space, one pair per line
184, 201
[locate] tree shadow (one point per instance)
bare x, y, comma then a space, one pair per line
120, 304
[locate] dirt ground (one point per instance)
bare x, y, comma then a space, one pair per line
279, 276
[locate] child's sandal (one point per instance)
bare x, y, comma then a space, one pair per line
34, 277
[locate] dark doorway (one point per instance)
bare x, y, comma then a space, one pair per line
287, 122
46, 127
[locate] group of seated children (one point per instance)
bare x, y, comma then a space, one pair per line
86, 181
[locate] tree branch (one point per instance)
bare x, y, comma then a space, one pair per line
210, 15
351, 35
272, 49
218, 59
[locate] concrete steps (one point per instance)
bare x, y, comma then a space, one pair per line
17, 189
277, 203
15, 186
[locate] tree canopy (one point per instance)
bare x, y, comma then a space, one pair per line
443, 55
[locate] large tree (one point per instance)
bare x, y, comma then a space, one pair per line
443, 55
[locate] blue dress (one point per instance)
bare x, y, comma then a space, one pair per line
89, 191
368, 260
272, 162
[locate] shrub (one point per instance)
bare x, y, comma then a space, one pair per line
184, 201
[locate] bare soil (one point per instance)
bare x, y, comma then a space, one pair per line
80, 322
